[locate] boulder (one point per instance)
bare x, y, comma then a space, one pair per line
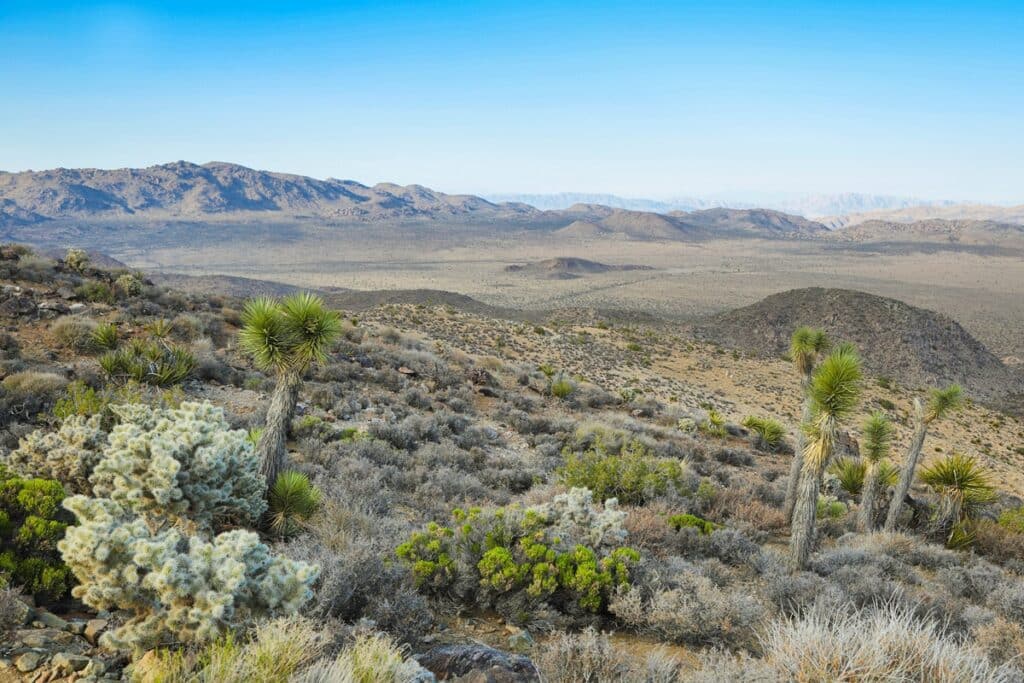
478, 664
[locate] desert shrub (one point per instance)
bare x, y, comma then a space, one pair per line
82, 400
12, 608
371, 658
734, 457
35, 268
1012, 519
582, 657
678, 522
568, 553
144, 543
104, 336
153, 363
633, 476
67, 455
291, 501
96, 292
562, 386
1001, 640
74, 332
997, 542
769, 434
273, 653
31, 524
691, 610
886, 643
30, 383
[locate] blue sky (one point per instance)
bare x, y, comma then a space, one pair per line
636, 98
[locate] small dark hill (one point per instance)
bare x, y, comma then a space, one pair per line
913, 345
567, 267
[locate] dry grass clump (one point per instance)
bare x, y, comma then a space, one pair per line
885, 643
30, 382
580, 658
74, 332
372, 658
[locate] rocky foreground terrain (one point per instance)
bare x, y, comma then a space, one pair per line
457, 522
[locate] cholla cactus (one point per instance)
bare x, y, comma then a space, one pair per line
181, 589
76, 259
173, 465
575, 518
130, 284
67, 455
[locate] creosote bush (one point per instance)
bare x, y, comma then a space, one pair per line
633, 475
569, 553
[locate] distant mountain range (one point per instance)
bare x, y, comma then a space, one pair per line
807, 205
57, 205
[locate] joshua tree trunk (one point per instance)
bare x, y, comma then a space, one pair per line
816, 457
909, 465
271, 449
866, 517
796, 466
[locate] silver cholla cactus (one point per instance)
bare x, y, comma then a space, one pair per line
67, 455
574, 515
185, 462
145, 541
181, 588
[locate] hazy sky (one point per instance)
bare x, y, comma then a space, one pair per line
636, 98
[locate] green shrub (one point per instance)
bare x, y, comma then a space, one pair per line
562, 386
1012, 519
104, 336
291, 501
74, 332
683, 521
569, 554
830, 508
153, 363
886, 404
769, 433
31, 524
80, 399
633, 475
129, 283
96, 292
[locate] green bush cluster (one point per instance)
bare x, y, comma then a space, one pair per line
633, 475
683, 521
149, 362
528, 553
31, 524
1012, 519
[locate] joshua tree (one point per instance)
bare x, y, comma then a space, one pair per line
285, 336
964, 489
805, 347
940, 403
875, 444
834, 392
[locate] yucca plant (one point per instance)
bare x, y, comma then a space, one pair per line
149, 363
160, 328
292, 500
285, 337
805, 348
769, 434
834, 392
941, 402
964, 488
876, 441
850, 472
104, 336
